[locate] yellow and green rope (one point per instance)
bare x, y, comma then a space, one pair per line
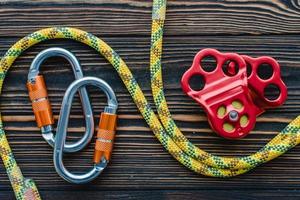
162, 125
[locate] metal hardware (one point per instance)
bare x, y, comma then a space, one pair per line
43, 114
258, 85
41, 105
232, 100
233, 116
60, 139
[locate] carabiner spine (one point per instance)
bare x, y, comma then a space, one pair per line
105, 137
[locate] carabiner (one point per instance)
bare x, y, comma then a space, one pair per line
105, 135
41, 104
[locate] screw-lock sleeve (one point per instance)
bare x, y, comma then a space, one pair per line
105, 137
40, 103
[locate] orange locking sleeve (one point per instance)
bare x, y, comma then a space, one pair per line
105, 137
40, 103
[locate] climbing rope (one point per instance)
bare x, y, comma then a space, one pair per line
181, 148
163, 126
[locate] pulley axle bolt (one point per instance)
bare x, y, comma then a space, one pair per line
233, 116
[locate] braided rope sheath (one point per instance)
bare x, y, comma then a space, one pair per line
164, 128
197, 159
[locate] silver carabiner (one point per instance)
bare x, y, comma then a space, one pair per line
41, 105
107, 126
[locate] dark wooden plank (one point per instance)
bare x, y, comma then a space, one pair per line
107, 17
172, 194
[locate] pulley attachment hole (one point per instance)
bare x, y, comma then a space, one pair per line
208, 63
265, 71
244, 121
230, 68
272, 92
221, 111
228, 127
237, 105
197, 82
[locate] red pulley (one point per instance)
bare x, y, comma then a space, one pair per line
230, 98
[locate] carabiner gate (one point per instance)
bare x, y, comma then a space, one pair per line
40, 103
105, 135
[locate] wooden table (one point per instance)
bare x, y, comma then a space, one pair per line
140, 167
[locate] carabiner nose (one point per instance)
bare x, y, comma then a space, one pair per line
41, 105
105, 135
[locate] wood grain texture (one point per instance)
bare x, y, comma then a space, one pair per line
140, 167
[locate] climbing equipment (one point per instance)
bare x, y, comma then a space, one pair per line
163, 126
43, 115
259, 84
232, 100
40, 103
105, 135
